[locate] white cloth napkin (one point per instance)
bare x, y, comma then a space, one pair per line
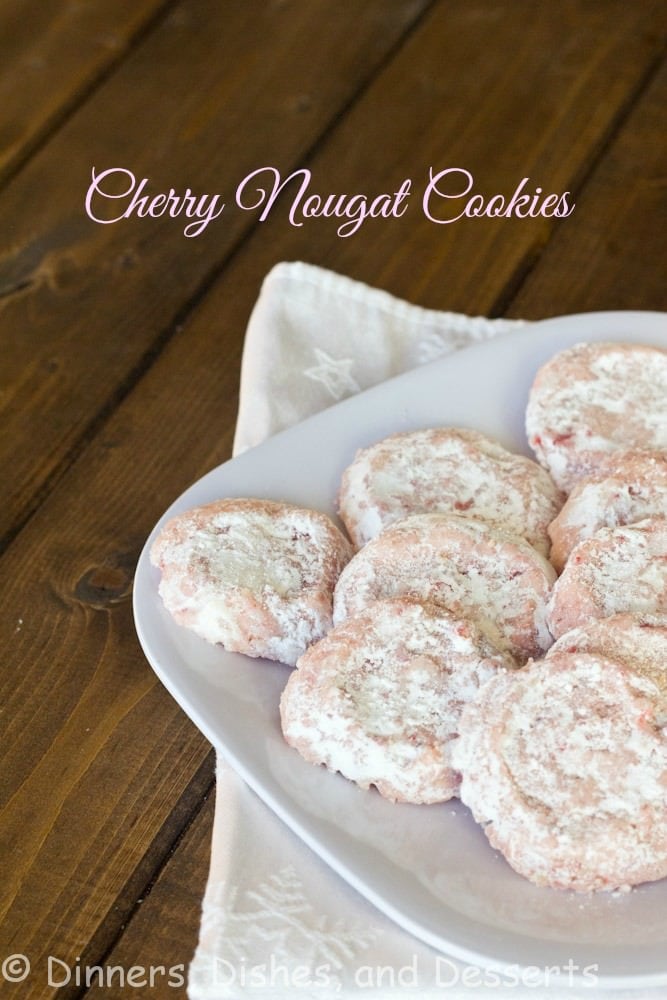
315, 337
276, 921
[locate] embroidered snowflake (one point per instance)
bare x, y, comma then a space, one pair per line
278, 921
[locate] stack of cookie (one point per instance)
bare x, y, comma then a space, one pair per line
565, 765
425, 658
451, 532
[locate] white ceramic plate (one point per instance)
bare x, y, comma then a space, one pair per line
429, 868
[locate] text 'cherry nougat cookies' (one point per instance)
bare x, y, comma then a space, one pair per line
446, 470
564, 764
379, 698
635, 491
255, 576
497, 581
594, 399
618, 569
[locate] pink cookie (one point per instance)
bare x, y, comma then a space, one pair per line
450, 471
638, 641
594, 399
253, 575
618, 569
564, 764
498, 581
606, 503
379, 698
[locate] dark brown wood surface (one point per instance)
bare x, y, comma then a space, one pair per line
122, 343
54, 55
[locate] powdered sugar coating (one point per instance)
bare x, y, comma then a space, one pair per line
618, 569
565, 766
379, 698
639, 641
498, 581
606, 503
254, 575
631, 465
593, 399
446, 470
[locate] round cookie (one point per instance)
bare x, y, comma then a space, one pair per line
379, 698
254, 575
564, 764
446, 470
498, 581
593, 399
639, 641
606, 503
618, 569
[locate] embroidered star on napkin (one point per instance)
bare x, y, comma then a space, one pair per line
334, 374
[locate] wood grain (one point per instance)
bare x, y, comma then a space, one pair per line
54, 54
164, 927
213, 91
611, 253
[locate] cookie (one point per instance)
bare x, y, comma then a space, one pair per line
498, 581
637, 640
564, 764
606, 503
618, 569
379, 698
253, 575
446, 470
594, 399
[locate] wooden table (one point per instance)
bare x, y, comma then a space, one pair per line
122, 344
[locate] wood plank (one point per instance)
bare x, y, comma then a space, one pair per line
82, 304
54, 53
597, 261
163, 929
67, 575
611, 254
